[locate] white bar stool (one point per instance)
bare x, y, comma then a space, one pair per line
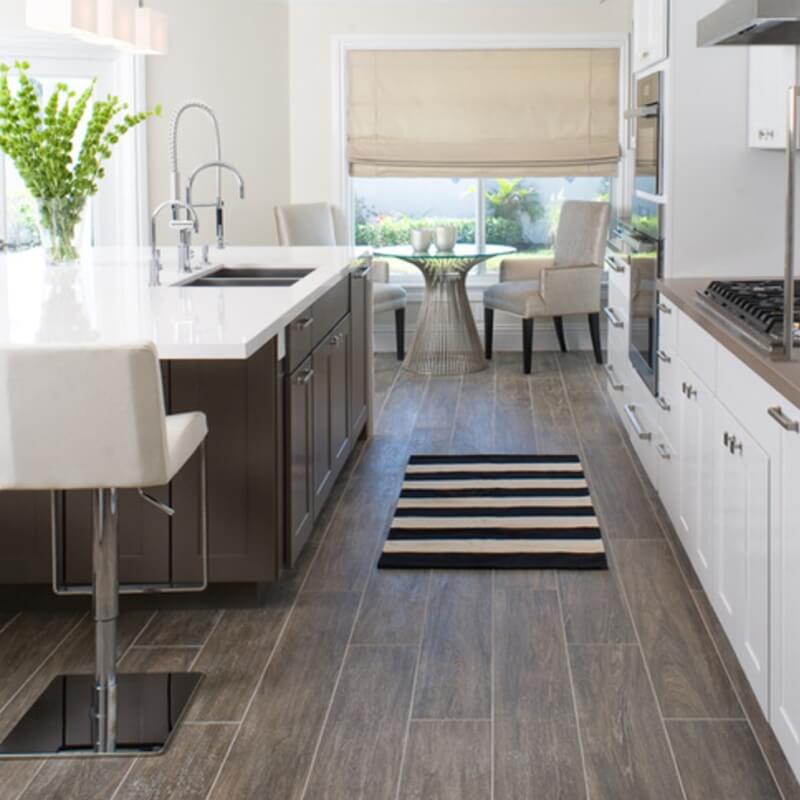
93, 417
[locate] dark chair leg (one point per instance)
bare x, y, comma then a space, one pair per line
527, 345
488, 327
594, 329
559, 323
400, 332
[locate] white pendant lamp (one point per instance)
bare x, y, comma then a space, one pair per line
152, 31
74, 17
124, 24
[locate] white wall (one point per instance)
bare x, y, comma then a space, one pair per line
313, 23
726, 200
233, 56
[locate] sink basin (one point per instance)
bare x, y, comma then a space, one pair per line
250, 276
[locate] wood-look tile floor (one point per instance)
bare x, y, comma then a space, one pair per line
352, 684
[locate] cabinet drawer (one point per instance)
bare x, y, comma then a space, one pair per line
618, 275
667, 324
329, 309
618, 297
699, 350
315, 323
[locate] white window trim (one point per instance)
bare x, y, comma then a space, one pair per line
342, 45
121, 215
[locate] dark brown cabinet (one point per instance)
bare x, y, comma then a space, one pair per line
360, 301
299, 459
331, 364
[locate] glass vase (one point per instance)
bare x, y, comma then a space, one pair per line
59, 220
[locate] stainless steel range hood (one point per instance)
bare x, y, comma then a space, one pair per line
751, 22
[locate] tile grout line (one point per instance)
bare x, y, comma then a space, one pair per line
626, 600
207, 639
5, 626
572, 689
492, 681
32, 779
407, 735
290, 612
671, 546
41, 666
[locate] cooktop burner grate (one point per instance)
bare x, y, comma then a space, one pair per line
758, 305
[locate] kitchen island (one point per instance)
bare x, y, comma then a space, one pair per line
282, 373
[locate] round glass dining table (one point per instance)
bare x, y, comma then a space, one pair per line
446, 341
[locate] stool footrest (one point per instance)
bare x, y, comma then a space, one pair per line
60, 721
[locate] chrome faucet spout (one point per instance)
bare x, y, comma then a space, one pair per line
175, 177
220, 219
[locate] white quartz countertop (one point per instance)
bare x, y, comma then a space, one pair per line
106, 299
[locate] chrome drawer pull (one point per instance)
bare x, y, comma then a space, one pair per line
663, 452
613, 318
303, 323
665, 357
305, 377
612, 379
641, 433
361, 272
614, 265
663, 404
785, 422
664, 308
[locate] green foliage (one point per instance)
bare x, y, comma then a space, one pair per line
389, 231
39, 137
512, 198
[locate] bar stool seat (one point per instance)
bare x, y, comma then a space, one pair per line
93, 417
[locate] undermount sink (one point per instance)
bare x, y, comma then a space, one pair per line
275, 277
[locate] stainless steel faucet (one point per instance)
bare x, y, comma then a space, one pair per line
219, 165
184, 228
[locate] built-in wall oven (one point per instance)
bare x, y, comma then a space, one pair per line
642, 234
648, 119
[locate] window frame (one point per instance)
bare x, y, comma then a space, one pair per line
342, 45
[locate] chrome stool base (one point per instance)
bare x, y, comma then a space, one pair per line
61, 722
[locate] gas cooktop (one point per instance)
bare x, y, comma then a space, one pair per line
755, 307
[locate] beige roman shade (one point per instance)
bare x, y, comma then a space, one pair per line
483, 113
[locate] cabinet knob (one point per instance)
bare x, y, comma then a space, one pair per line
305, 376
766, 134
689, 390
735, 446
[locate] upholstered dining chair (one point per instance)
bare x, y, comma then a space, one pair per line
313, 225
568, 283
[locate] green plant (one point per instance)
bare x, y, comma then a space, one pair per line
40, 138
512, 198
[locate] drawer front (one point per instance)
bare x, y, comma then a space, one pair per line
639, 421
667, 324
619, 281
669, 394
299, 341
699, 350
329, 310
750, 407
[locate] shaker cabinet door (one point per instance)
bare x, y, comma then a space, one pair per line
299, 459
785, 594
740, 572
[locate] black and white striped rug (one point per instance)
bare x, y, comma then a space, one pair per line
494, 512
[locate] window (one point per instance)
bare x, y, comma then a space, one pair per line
520, 212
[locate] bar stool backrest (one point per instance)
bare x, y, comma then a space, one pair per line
83, 416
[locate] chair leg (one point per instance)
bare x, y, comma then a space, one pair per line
400, 332
559, 323
106, 613
594, 329
527, 345
488, 323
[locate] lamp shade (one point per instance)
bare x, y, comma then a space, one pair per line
76, 17
152, 32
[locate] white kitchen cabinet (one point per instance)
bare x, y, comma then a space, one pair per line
785, 589
772, 71
739, 587
650, 33
696, 470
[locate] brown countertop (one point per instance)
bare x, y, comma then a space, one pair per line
783, 376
